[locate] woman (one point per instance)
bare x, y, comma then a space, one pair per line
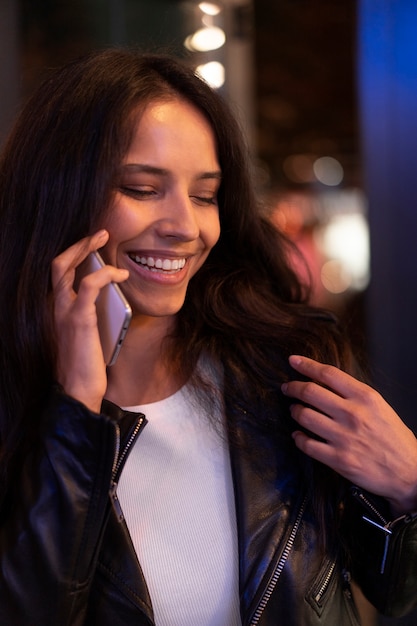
181, 485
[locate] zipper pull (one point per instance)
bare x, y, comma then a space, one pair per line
115, 501
387, 533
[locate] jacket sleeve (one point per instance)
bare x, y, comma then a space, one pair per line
383, 554
49, 541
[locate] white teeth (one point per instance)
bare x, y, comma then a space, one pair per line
166, 265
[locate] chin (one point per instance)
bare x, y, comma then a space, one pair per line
167, 310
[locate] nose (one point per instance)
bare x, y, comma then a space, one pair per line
179, 218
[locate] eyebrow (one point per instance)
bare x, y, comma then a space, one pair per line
160, 171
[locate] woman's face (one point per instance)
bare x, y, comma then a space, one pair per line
164, 220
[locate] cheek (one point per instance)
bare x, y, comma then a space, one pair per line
212, 231
112, 219
121, 221
117, 224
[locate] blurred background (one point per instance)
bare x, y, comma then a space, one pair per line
326, 91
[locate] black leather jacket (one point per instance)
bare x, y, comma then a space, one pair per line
67, 558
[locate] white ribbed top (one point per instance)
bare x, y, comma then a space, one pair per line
177, 497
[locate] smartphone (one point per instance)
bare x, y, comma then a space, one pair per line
113, 310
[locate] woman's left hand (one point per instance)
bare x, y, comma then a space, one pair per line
361, 436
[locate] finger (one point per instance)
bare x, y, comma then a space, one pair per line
315, 449
315, 422
321, 451
91, 284
327, 375
313, 394
64, 265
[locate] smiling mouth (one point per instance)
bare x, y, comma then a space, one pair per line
157, 264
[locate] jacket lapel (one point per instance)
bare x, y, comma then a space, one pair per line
267, 501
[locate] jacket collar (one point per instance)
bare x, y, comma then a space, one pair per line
130, 424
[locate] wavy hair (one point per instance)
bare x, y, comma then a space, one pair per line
245, 308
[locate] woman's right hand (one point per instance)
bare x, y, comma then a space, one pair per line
81, 369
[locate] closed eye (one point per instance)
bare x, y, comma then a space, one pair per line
208, 200
134, 192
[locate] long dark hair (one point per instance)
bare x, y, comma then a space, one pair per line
245, 307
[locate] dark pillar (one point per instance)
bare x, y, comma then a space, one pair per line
387, 67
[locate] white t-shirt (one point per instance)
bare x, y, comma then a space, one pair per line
177, 496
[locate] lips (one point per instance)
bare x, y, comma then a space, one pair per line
158, 264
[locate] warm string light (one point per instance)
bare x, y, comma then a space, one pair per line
207, 38
209, 8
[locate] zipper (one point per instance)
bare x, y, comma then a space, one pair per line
116, 451
278, 570
384, 526
359, 495
323, 587
117, 462
121, 457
